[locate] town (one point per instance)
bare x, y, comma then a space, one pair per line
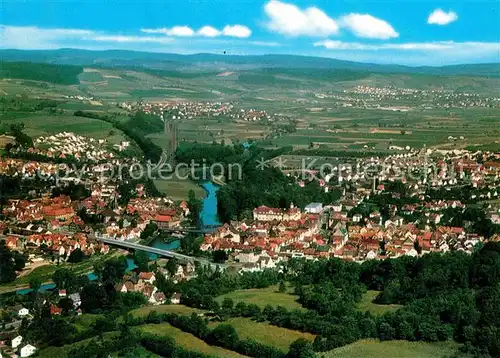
414, 204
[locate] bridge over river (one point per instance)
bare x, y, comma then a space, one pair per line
157, 251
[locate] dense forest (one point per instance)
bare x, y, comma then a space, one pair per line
59, 74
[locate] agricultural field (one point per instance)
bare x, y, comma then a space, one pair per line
187, 340
38, 125
264, 296
290, 92
265, 333
366, 304
370, 348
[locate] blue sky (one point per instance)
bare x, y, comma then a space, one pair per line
424, 32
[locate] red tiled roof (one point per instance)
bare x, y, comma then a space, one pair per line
162, 218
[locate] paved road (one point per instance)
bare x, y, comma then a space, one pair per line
157, 251
199, 231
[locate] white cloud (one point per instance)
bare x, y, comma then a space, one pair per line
441, 46
181, 31
436, 53
34, 37
439, 17
367, 26
208, 31
125, 39
265, 43
239, 31
290, 20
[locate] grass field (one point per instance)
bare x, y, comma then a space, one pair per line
44, 273
179, 309
265, 333
63, 352
264, 296
187, 340
178, 189
369, 348
366, 304
85, 321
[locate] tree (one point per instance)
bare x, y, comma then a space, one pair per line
76, 256
113, 270
227, 304
165, 285
224, 336
66, 304
172, 265
35, 283
7, 264
141, 259
194, 206
64, 279
19, 261
220, 256
148, 231
301, 348
93, 297
403, 132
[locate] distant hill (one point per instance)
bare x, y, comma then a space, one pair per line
213, 62
64, 75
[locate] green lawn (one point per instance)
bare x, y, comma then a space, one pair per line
264, 296
178, 189
264, 332
179, 309
187, 340
370, 348
366, 304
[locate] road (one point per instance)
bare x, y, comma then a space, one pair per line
154, 250
208, 230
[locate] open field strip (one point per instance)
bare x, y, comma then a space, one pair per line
187, 340
264, 333
371, 348
264, 296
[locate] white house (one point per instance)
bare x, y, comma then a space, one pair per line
16, 342
314, 208
23, 312
77, 301
28, 350
175, 299
356, 218
20, 311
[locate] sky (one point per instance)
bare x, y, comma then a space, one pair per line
425, 32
